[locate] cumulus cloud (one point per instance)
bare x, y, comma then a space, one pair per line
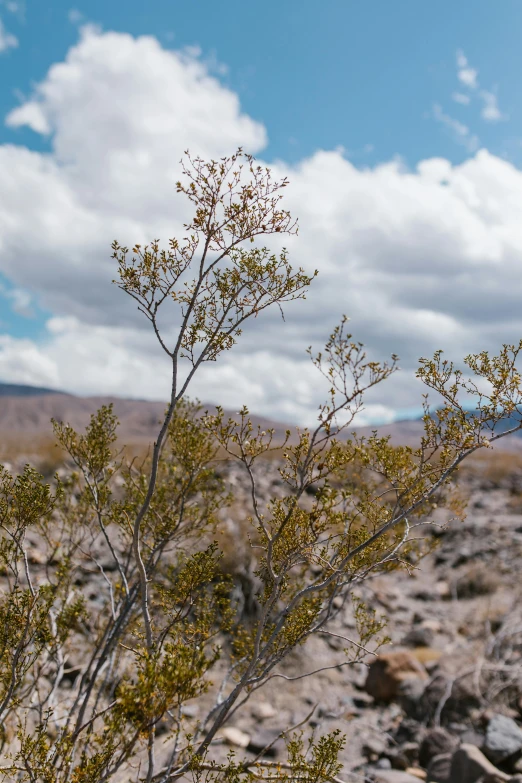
419, 259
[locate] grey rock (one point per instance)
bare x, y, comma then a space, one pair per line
439, 768
503, 739
419, 637
374, 745
410, 694
469, 765
383, 764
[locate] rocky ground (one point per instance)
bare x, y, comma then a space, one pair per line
443, 701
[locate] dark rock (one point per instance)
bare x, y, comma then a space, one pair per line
403, 756
424, 595
397, 759
362, 700
439, 768
503, 739
460, 702
267, 742
411, 751
408, 731
388, 671
435, 743
71, 670
469, 765
478, 580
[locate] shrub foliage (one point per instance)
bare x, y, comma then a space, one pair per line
94, 688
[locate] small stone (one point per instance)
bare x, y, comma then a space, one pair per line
388, 671
503, 739
234, 736
35, 557
263, 710
443, 590
419, 637
374, 746
469, 765
391, 776
417, 773
432, 625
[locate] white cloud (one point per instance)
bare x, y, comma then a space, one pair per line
14, 6
419, 260
75, 17
466, 74
490, 110
459, 97
31, 115
468, 77
460, 132
7, 40
21, 300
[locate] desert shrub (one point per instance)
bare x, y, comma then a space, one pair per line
127, 614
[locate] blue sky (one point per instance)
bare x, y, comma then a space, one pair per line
353, 74
372, 83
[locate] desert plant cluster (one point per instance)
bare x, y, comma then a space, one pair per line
116, 610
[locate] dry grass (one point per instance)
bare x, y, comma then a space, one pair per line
497, 467
494, 465
41, 452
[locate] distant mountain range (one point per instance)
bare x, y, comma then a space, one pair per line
20, 390
26, 411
